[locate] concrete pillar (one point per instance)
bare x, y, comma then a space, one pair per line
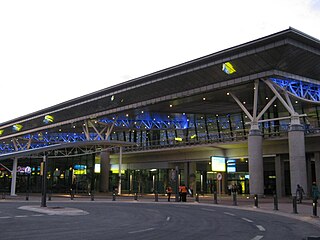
317, 167
193, 176
14, 177
297, 158
256, 181
309, 174
104, 171
186, 173
279, 169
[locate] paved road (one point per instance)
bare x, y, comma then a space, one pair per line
134, 220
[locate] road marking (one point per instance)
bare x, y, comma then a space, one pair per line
208, 209
248, 220
21, 216
168, 219
262, 229
143, 230
257, 237
5, 217
230, 214
37, 215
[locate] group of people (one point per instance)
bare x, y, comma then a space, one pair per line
183, 192
315, 194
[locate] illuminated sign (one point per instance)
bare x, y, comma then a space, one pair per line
228, 68
24, 170
218, 164
97, 168
80, 169
1, 132
231, 165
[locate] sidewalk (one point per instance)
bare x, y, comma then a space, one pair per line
265, 204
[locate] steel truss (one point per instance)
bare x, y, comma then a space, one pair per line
303, 90
101, 129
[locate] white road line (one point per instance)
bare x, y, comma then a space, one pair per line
168, 219
6, 217
37, 215
230, 214
248, 220
208, 209
143, 230
257, 237
20, 216
262, 229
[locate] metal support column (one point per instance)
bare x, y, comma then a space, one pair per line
14, 177
44, 182
120, 166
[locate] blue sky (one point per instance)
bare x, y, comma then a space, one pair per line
53, 51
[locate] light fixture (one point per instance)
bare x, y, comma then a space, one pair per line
171, 105
17, 127
204, 99
228, 68
48, 119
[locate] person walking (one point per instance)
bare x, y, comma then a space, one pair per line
299, 193
169, 192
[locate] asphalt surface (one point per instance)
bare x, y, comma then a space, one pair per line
107, 219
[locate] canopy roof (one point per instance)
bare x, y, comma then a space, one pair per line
195, 87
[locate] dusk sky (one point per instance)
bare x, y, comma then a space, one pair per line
54, 51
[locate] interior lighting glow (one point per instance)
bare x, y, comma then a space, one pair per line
228, 68
171, 105
1, 132
178, 139
112, 98
193, 136
204, 99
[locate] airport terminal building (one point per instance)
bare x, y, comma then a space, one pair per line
247, 116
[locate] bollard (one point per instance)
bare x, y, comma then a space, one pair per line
314, 207
92, 196
256, 201
49, 196
275, 202
234, 199
71, 194
113, 196
215, 198
197, 197
135, 197
156, 197
3, 195
27, 196
294, 204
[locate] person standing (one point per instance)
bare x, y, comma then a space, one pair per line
299, 193
315, 191
183, 192
169, 192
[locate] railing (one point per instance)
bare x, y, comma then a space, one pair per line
235, 136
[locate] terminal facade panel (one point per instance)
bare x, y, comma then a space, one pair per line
255, 106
